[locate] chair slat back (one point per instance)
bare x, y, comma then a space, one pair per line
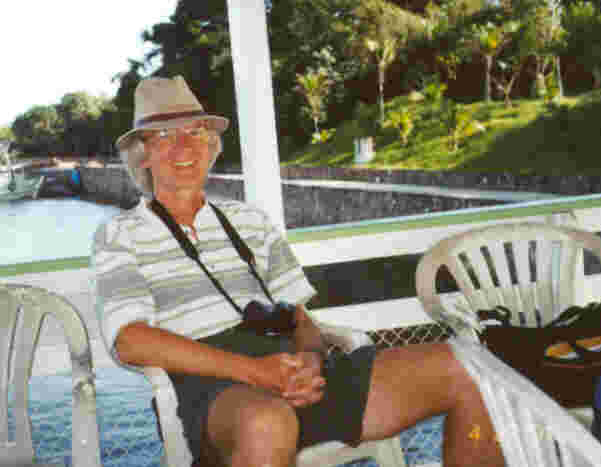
530, 268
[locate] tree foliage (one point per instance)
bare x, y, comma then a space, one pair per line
315, 86
6, 133
582, 21
78, 124
379, 33
366, 42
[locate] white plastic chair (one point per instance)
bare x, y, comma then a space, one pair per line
22, 310
533, 269
386, 452
534, 431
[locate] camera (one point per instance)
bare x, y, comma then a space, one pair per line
269, 320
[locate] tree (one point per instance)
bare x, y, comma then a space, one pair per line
445, 29
379, 32
6, 133
80, 113
488, 41
39, 129
582, 21
402, 121
460, 124
298, 29
122, 116
315, 85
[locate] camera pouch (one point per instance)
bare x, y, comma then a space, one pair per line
269, 320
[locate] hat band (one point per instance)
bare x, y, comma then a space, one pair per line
170, 116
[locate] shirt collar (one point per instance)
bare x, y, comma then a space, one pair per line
203, 216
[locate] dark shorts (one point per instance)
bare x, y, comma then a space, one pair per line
338, 416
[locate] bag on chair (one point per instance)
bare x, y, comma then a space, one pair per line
563, 358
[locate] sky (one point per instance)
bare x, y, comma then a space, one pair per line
51, 48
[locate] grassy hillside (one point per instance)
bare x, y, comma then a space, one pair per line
525, 138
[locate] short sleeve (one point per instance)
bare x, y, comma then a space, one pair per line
120, 291
286, 279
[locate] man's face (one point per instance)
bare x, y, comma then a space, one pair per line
180, 158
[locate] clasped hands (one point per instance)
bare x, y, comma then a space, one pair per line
295, 377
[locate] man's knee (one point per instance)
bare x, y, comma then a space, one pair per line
272, 423
460, 383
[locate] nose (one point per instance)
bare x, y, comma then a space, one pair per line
183, 138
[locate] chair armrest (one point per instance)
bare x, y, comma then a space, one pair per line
176, 449
157, 377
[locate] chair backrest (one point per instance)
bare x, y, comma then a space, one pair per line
22, 310
534, 431
531, 268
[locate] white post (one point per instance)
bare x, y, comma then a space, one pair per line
256, 115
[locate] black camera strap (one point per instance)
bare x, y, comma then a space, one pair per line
241, 247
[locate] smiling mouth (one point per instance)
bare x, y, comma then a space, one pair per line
184, 164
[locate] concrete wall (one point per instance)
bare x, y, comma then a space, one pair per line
110, 184
308, 206
568, 185
304, 206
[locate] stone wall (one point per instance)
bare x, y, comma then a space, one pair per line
567, 185
308, 206
110, 184
303, 206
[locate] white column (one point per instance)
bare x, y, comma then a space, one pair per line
256, 115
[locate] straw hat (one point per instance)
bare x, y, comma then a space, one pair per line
162, 103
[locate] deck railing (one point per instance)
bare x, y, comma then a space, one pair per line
128, 436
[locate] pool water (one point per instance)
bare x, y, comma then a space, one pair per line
44, 229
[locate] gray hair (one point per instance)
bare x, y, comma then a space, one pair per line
135, 153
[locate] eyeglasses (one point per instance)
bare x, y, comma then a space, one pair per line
200, 134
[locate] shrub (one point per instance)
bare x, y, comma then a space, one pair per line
402, 120
366, 117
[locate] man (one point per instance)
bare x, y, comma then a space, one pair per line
247, 399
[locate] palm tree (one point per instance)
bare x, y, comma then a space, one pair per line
380, 32
489, 41
315, 85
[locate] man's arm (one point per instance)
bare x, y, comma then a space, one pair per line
307, 336
307, 385
143, 345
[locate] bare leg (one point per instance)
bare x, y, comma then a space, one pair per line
418, 381
252, 428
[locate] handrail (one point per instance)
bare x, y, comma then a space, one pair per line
374, 226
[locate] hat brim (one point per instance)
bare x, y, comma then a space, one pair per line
216, 123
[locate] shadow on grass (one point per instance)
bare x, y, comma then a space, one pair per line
563, 140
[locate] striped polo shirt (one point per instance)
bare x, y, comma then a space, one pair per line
140, 272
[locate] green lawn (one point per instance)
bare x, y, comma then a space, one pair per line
524, 138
